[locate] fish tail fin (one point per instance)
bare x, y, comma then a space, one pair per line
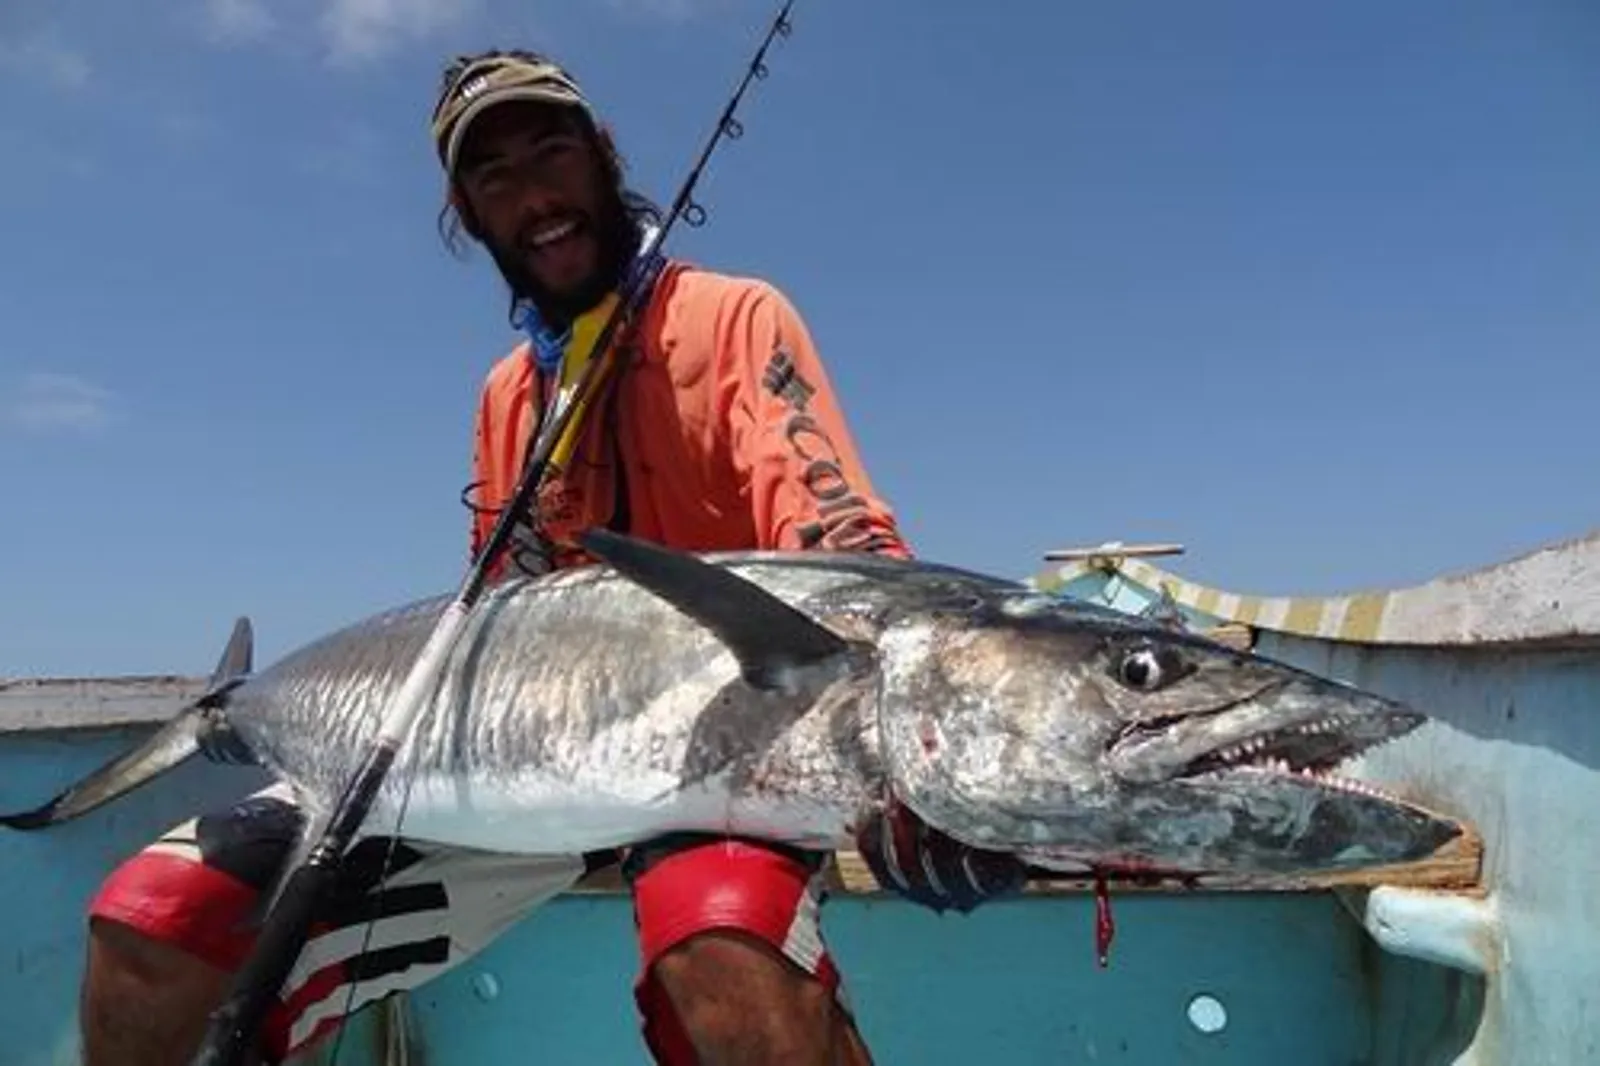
237, 661
173, 744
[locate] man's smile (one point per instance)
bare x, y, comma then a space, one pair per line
551, 233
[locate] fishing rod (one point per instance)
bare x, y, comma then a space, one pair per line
234, 1025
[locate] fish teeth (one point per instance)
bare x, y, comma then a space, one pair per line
1320, 727
1345, 784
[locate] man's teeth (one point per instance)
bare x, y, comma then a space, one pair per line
554, 233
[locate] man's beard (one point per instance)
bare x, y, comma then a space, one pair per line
617, 239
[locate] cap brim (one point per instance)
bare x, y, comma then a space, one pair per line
524, 93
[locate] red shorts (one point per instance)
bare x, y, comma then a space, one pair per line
687, 885
199, 885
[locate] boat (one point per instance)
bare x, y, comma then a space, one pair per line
1485, 954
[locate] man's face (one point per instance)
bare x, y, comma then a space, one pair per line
545, 201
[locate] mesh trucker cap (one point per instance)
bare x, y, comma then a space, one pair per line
493, 80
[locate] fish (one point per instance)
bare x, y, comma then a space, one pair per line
782, 695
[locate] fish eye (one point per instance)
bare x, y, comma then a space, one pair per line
1145, 669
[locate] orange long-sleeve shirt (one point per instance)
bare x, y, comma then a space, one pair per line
721, 422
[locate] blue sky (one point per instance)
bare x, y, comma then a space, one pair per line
1309, 288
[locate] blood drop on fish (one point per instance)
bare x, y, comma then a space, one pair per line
1105, 928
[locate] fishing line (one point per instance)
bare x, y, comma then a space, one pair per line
233, 1028
375, 911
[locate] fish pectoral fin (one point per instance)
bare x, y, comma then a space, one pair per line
764, 633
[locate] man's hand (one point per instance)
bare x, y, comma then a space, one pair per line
911, 858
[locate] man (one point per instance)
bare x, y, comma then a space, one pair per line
718, 430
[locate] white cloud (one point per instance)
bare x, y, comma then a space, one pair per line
349, 31
45, 403
352, 32
363, 29
666, 9
40, 57
233, 21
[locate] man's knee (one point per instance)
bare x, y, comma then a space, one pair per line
143, 1001
164, 931
122, 950
737, 994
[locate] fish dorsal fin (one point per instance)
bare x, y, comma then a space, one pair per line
764, 633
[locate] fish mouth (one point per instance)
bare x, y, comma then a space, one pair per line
1312, 751
1287, 728
1256, 787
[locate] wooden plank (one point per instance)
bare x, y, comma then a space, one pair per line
1456, 867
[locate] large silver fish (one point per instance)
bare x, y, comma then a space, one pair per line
776, 694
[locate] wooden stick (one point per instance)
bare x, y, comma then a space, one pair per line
1457, 866
1111, 550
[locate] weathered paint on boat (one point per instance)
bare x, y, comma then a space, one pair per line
1388, 977
1507, 658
